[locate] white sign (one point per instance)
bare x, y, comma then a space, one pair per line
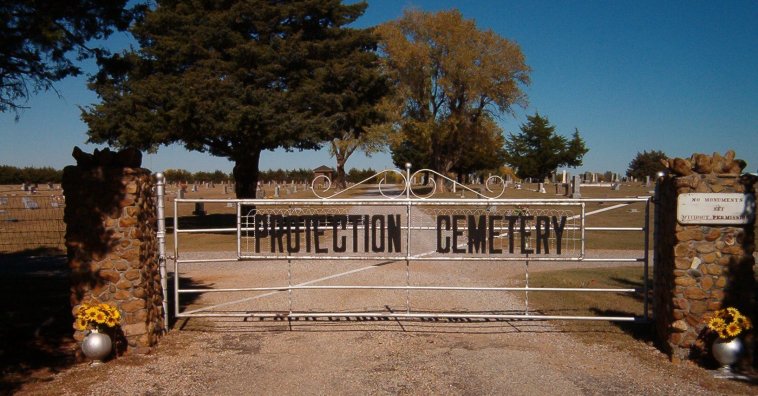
715, 208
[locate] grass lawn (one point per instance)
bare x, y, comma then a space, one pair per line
594, 304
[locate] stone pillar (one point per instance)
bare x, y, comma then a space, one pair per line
700, 268
111, 243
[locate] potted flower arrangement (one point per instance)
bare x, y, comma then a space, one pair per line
728, 324
95, 319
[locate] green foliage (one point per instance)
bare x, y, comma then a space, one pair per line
37, 38
14, 175
646, 164
451, 80
178, 176
537, 151
358, 175
286, 176
233, 78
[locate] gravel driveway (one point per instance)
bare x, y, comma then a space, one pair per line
383, 356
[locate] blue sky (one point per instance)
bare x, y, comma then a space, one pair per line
677, 76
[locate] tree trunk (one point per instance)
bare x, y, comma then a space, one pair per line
246, 174
340, 180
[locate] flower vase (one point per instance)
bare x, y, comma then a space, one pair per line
97, 346
726, 351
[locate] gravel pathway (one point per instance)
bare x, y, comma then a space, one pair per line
373, 356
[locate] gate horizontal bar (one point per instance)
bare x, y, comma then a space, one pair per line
413, 201
411, 315
202, 230
380, 287
614, 228
414, 258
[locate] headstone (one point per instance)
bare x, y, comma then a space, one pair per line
647, 181
199, 209
259, 193
25, 186
212, 184
576, 189
616, 186
50, 186
29, 203
564, 180
276, 191
3, 201
226, 189
180, 193
33, 190
194, 188
542, 188
518, 186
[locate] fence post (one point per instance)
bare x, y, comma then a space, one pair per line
160, 189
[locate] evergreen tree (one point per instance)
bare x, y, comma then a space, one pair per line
236, 77
646, 164
37, 38
537, 151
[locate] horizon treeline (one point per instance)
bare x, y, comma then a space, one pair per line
15, 175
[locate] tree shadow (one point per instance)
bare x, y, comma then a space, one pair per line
638, 294
186, 300
215, 220
36, 334
639, 330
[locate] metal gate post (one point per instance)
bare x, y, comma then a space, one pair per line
160, 190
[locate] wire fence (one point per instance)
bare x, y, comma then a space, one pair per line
31, 218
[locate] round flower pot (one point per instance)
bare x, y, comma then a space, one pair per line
97, 346
726, 352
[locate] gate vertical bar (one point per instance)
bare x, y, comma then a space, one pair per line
408, 237
160, 190
176, 258
647, 260
239, 229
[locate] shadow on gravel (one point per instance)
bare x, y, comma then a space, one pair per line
186, 300
638, 330
35, 318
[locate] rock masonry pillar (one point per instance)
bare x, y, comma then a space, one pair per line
111, 243
700, 268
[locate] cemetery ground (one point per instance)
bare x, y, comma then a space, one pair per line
356, 355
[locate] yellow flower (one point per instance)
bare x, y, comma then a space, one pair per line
111, 322
91, 312
733, 329
732, 311
81, 324
100, 317
716, 324
743, 322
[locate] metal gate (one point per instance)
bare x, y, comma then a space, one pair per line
382, 256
